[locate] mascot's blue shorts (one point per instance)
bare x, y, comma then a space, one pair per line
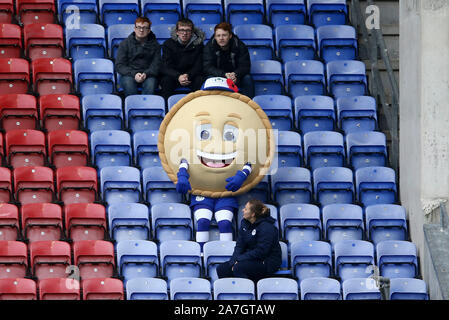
214, 204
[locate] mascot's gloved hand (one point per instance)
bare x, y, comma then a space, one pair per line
183, 184
236, 181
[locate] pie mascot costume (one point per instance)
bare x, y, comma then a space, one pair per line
215, 144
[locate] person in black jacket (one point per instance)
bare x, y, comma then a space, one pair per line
225, 55
257, 252
138, 59
182, 58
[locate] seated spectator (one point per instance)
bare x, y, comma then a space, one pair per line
225, 55
139, 59
182, 58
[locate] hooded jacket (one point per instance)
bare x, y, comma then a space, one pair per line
178, 59
134, 57
259, 241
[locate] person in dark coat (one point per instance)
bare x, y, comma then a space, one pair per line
225, 55
138, 59
257, 252
182, 58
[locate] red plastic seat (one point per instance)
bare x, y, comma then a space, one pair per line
50, 259
35, 11
60, 111
85, 221
13, 259
10, 40
94, 258
102, 289
9, 222
2, 151
25, 148
42, 222
14, 75
18, 111
33, 184
6, 11
52, 76
5, 185
59, 289
76, 184
68, 148
18, 289
43, 40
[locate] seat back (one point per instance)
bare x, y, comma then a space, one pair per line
68, 148
43, 40
41, 221
129, 221
9, 221
85, 221
18, 111
190, 289
171, 221
13, 259
50, 259
120, 184
25, 147
361, 289
320, 288
277, 289
59, 112
258, 38
10, 39
59, 289
86, 42
146, 289
33, 184
102, 112
102, 289
234, 289
116, 34
18, 289
295, 42
14, 75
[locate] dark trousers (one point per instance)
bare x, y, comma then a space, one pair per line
249, 269
169, 84
246, 86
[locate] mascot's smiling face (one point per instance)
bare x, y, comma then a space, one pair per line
217, 132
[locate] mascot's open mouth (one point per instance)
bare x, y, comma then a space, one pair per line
215, 160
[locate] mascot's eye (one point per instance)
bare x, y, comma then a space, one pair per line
230, 133
205, 135
204, 131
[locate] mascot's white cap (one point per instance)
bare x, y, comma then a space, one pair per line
218, 83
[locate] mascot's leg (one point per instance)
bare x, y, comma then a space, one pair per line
202, 217
224, 221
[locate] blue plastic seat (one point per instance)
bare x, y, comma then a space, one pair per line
190, 289
284, 270
102, 112
87, 41
171, 221
116, 34
173, 99
320, 288
295, 42
258, 38
234, 289
162, 31
110, 148
161, 11
376, 185
144, 112
397, 259
129, 221
261, 191
244, 11
94, 76
333, 185
337, 42
216, 252
327, 12
146, 289
278, 109
203, 11
386, 222
358, 113
137, 259
267, 77
314, 113
146, 152
343, 222
118, 11
304, 77
353, 259
366, 149
120, 184
289, 149
310, 259
85, 10
346, 78
360, 289
324, 149
281, 12
209, 29
157, 186
408, 289
291, 185
277, 289
299, 222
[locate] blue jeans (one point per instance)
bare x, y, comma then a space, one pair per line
130, 86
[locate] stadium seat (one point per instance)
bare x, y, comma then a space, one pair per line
353, 259
408, 289
333, 185
6, 193
146, 152
14, 75
284, 270
110, 148
324, 149
144, 112
386, 222
42, 222
112, 12
190, 289
120, 184
173, 99
50, 259
299, 222
9, 222
304, 77
68, 148
94, 258
86, 42
358, 113
59, 289
33, 184
291, 185
366, 149
234, 289
397, 259
376, 185
116, 34
146, 289
85, 221
18, 111
314, 113
102, 112
94, 76
157, 186
343, 222
13, 259
278, 109
346, 78
43, 41
281, 12
137, 259
171, 221
35, 11
260, 191
10, 38
73, 13
60, 112
216, 252
129, 221
2, 151
360, 289
162, 31
52, 76
267, 77
208, 29
25, 148
203, 11
18, 289
295, 42
244, 12
6, 11
310, 259
337, 42
277, 289
327, 12
161, 11
102, 289
289, 149
320, 288
258, 38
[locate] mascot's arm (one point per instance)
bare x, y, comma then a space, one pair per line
235, 182
183, 184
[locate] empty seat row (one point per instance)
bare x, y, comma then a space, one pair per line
28, 11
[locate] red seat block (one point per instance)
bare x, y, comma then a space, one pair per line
9, 222
102, 289
6, 194
10, 40
25, 148
13, 259
43, 40
52, 76
50, 259
60, 111
59, 289
35, 11
14, 75
68, 148
85, 221
18, 111
18, 289
6, 11
76, 184
94, 258
42, 221
33, 184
